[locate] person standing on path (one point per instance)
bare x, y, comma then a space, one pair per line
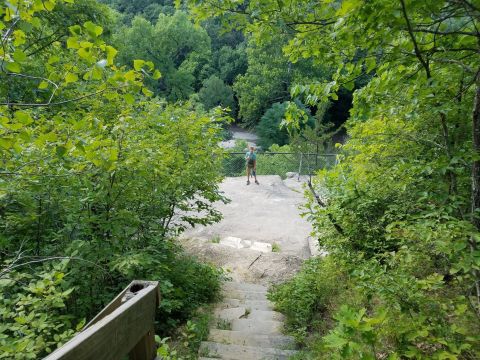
251, 158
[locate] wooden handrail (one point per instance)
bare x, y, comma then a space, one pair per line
125, 326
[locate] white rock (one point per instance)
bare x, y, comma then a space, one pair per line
260, 246
246, 243
315, 248
232, 241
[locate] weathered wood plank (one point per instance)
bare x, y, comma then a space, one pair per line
117, 333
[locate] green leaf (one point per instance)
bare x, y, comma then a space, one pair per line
23, 117
54, 58
111, 53
156, 75
49, 5
73, 43
13, 67
129, 98
19, 55
43, 85
6, 143
138, 64
19, 37
71, 78
92, 29
75, 30
147, 92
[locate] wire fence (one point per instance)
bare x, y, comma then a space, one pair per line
278, 163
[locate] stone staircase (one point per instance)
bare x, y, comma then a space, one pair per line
246, 327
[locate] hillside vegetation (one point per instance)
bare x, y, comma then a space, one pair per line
111, 114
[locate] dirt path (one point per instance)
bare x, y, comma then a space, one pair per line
240, 134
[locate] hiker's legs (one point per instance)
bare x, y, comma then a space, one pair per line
248, 174
254, 170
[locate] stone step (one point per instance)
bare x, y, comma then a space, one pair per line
244, 295
246, 338
243, 312
257, 327
238, 243
265, 315
244, 286
240, 352
251, 304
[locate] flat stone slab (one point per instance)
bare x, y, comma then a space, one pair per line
240, 352
232, 241
228, 337
231, 313
244, 286
251, 304
244, 312
245, 295
260, 246
237, 243
245, 265
257, 327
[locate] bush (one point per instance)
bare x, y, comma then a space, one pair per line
185, 283
403, 243
268, 129
33, 313
310, 296
216, 93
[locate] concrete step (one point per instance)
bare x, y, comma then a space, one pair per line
251, 304
257, 327
244, 295
246, 338
243, 312
231, 313
240, 352
234, 285
265, 315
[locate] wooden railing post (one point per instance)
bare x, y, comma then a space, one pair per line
125, 326
145, 348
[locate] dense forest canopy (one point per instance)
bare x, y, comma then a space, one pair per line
110, 117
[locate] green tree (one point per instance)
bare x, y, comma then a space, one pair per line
231, 62
268, 129
93, 171
269, 77
149, 9
178, 49
216, 93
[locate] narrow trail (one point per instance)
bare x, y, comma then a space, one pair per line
246, 327
259, 219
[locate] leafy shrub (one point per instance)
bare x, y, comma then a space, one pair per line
269, 130
33, 313
185, 283
308, 295
409, 292
216, 93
